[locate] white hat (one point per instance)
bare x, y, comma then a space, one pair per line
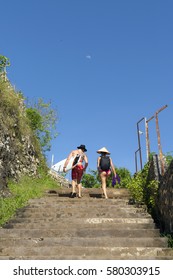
103, 150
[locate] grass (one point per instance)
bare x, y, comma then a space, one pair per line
170, 239
27, 188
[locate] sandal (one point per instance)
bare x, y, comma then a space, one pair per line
73, 195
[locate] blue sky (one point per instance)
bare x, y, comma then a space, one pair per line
104, 65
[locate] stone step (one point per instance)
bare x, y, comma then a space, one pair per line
84, 213
118, 191
79, 221
87, 242
73, 204
77, 252
95, 193
53, 201
98, 196
76, 224
80, 232
73, 210
59, 227
88, 257
74, 215
80, 204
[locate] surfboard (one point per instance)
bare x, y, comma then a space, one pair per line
58, 167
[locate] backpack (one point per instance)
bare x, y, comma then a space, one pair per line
76, 159
105, 163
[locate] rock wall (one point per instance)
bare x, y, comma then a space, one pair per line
163, 210
164, 201
63, 182
15, 161
18, 152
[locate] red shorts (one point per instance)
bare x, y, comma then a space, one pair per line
108, 172
77, 172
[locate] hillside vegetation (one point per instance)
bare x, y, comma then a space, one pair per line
20, 151
25, 136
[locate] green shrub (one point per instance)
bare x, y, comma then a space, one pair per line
136, 187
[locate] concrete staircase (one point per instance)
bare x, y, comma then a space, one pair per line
59, 227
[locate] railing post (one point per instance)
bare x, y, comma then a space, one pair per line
136, 161
147, 137
139, 142
158, 139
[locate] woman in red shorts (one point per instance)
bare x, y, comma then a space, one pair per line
105, 167
78, 169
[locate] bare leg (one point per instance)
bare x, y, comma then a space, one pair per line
79, 189
103, 181
73, 186
79, 185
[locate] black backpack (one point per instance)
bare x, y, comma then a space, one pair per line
76, 159
105, 163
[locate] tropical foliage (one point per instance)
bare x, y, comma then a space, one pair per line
4, 61
142, 189
43, 120
92, 179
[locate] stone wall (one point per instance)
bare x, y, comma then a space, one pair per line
165, 200
163, 211
63, 182
15, 161
18, 155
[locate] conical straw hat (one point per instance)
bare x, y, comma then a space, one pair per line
103, 150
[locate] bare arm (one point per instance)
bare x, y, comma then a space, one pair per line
98, 163
112, 167
86, 162
67, 160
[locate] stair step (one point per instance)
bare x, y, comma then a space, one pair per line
84, 213
91, 192
80, 232
94, 220
96, 253
81, 205
91, 242
59, 227
83, 209
98, 224
83, 200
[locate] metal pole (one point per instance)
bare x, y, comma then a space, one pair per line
136, 163
139, 143
158, 139
52, 160
147, 137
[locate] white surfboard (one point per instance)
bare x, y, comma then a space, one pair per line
58, 167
